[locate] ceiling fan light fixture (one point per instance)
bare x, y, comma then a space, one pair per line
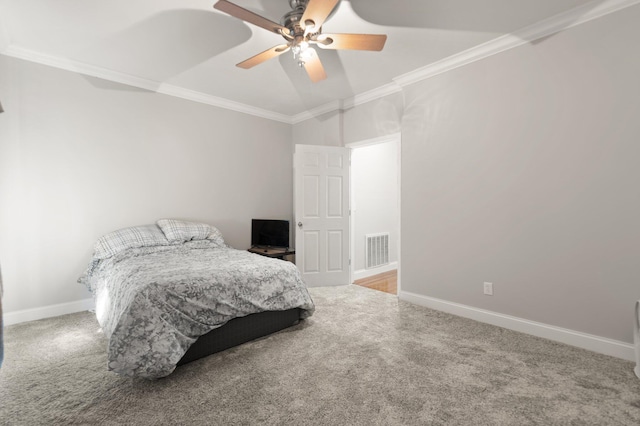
305, 55
302, 46
302, 52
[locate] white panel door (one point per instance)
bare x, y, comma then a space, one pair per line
321, 200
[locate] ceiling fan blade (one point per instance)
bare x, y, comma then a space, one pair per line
351, 41
316, 13
264, 56
313, 66
248, 16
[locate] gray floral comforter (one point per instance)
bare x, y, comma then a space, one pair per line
154, 302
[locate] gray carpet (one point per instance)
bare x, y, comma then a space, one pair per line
363, 358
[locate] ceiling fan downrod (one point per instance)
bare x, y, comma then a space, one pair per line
291, 20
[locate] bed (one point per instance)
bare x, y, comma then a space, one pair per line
169, 293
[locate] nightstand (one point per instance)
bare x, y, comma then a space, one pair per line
276, 253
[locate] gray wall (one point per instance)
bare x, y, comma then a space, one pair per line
355, 124
522, 169
373, 119
80, 157
325, 130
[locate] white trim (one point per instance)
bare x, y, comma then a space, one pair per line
546, 27
49, 311
392, 137
142, 83
195, 96
590, 342
80, 68
366, 273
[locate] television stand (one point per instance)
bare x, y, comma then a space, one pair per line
276, 253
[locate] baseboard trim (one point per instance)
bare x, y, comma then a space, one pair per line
366, 273
49, 311
590, 342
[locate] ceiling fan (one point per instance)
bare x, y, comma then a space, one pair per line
301, 28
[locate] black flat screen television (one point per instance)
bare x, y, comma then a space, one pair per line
269, 233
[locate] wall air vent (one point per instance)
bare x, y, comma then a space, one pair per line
377, 250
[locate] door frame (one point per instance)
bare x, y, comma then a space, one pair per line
393, 137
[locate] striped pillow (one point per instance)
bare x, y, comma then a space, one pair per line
126, 238
178, 231
216, 236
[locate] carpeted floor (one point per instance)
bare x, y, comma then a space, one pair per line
363, 359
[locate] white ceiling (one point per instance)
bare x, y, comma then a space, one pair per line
187, 45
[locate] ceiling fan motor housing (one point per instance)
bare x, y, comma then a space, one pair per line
293, 20
295, 4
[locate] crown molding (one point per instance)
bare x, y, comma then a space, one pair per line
371, 95
317, 112
195, 96
142, 83
356, 100
546, 27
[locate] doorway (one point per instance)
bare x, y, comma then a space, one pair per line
375, 213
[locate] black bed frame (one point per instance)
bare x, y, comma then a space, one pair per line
240, 330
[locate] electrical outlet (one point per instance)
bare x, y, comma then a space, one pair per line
488, 289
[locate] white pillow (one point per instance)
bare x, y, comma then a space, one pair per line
133, 237
216, 236
179, 231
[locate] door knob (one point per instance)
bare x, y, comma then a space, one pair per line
299, 224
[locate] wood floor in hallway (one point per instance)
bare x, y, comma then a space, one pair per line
387, 282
